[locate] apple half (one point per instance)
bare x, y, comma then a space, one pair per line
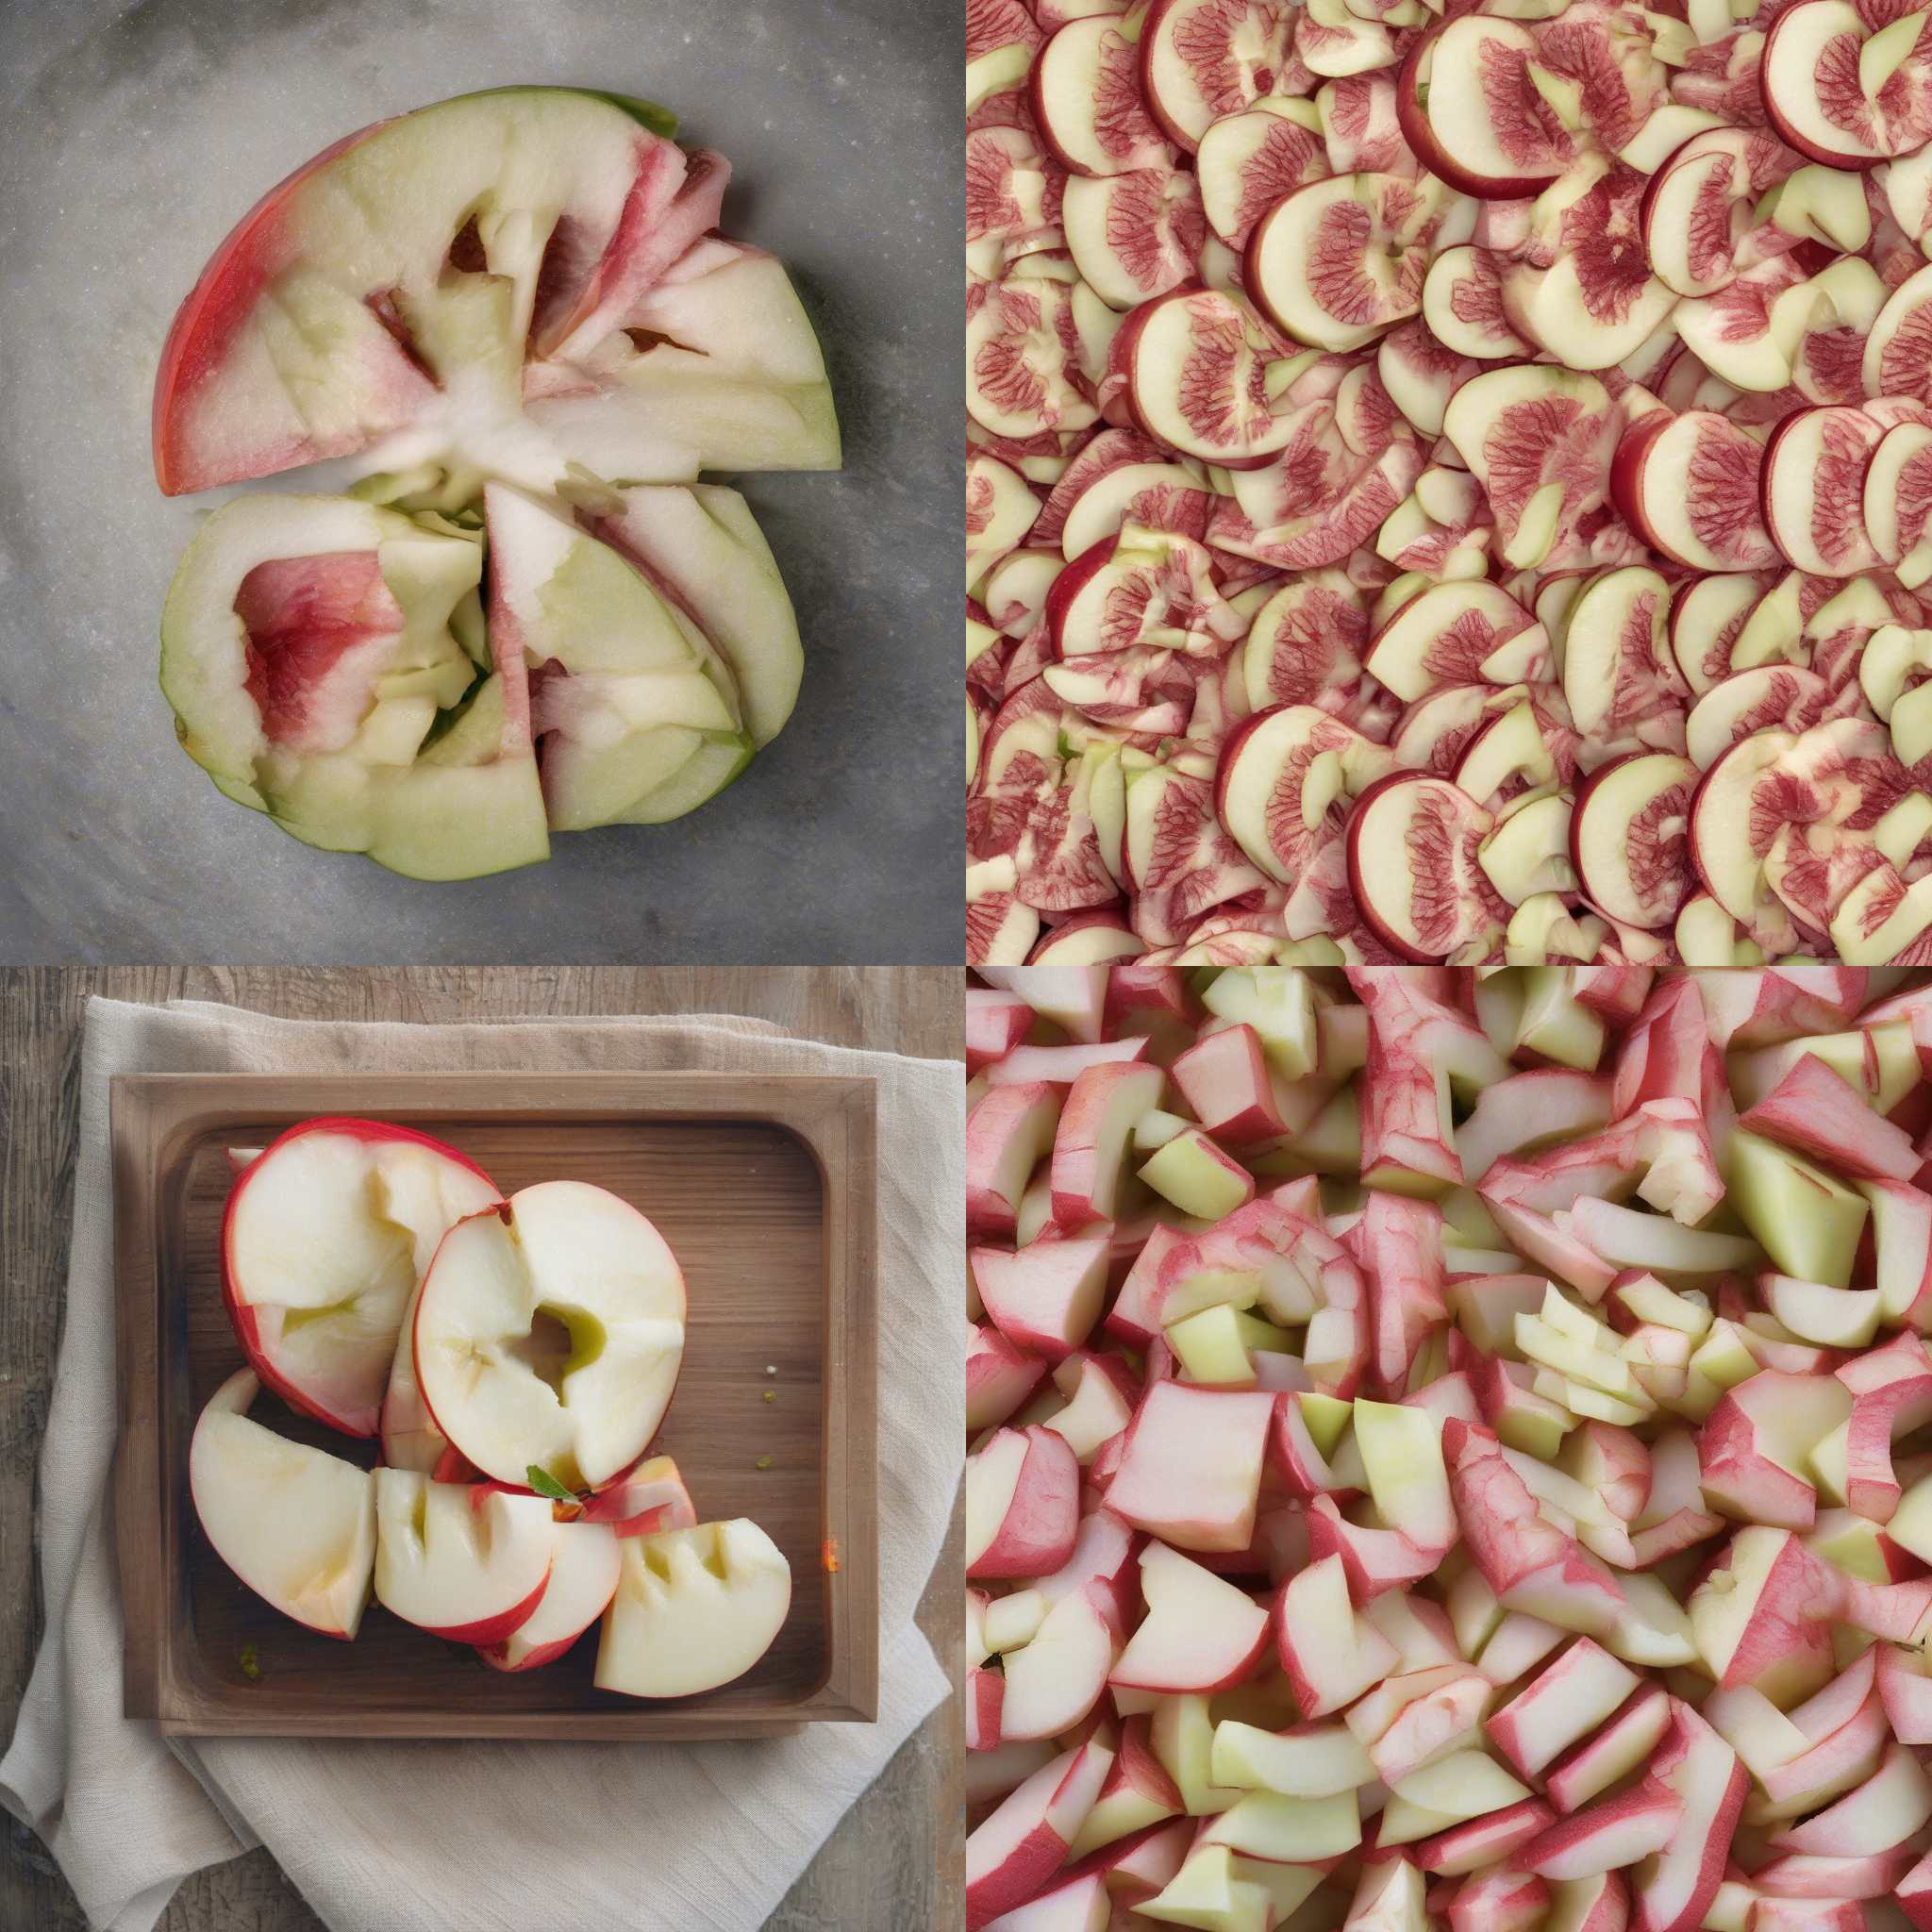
324, 1238
694, 1609
402, 296
295, 1524
548, 1334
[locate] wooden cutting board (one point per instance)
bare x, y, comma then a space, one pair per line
764, 1187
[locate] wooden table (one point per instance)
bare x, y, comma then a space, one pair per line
897, 1858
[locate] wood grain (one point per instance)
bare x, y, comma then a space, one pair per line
895, 1862
763, 1187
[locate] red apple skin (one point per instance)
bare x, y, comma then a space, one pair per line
1358, 883
1627, 474
215, 309
246, 1324
1430, 152
1069, 584
1789, 136
489, 1630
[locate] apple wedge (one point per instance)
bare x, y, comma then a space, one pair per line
296, 1525
693, 1608
585, 1561
460, 1561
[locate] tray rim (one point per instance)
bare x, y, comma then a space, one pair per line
155, 1118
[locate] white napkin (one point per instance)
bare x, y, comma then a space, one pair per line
388, 1837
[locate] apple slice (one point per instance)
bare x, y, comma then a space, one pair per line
1413, 867
1627, 837
1202, 59
585, 1560
462, 1561
549, 1333
1814, 1110
627, 691
1167, 347
1821, 94
693, 1610
646, 1499
1199, 1633
309, 648
1246, 162
296, 1525
1340, 261
1473, 113
1540, 439
1016, 1850
1814, 483
1085, 99
1690, 485
322, 1242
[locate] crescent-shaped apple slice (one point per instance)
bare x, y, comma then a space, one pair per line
295, 1524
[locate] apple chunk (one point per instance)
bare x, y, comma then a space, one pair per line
324, 1238
549, 1334
693, 1610
296, 1525
310, 651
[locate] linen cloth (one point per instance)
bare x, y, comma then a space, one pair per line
438, 1837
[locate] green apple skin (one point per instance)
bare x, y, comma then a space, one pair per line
1805, 1220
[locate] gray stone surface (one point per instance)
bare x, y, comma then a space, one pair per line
136, 135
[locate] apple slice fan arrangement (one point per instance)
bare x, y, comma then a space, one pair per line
1449, 483
1452, 1453
511, 313
514, 1359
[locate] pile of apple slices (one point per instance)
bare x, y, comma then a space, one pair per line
1448, 484
1449, 1450
515, 1359
511, 319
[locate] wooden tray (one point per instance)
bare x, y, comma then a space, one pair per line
763, 1187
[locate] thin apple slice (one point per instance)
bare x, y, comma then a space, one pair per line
1628, 838
585, 1564
1697, 210
1898, 500
1085, 92
1342, 260
464, 1562
1413, 843
1473, 113
1820, 95
1136, 234
1202, 59
324, 1239
1193, 363
1456, 633
1690, 485
1814, 486
1248, 161
1462, 304
1285, 779
1539, 441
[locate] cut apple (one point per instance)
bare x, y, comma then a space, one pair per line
325, 1235
694, 1609
585, 1561
460, 1561
295, 1524
516, 286
549, 1334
